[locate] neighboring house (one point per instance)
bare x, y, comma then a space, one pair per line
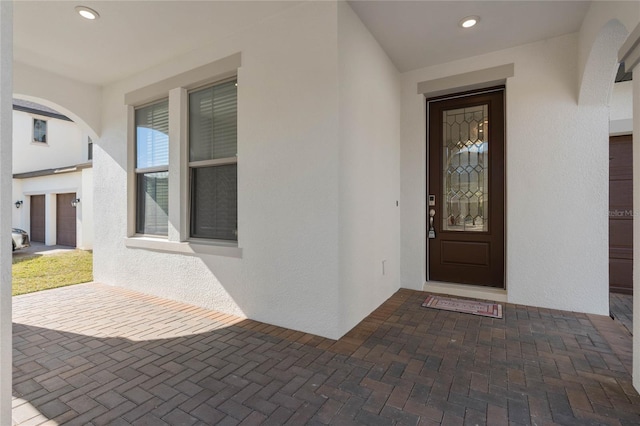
52, 177
279, 169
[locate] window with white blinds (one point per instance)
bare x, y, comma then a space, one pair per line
152, 168
213, 118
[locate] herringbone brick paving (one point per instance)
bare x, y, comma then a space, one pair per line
622, 309
93, 355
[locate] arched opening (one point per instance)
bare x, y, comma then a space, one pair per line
52, 185
76, 118
602, 65
621, 199
598, 90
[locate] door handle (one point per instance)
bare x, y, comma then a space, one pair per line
432, 230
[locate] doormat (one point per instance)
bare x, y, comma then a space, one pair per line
493, 310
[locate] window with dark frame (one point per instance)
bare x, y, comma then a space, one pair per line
152, 168
39, 130
213, 162
89, 148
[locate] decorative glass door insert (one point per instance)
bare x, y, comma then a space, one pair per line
465, 195
465, 174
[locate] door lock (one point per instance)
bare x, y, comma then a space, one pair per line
432, 230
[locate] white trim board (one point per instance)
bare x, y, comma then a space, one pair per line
474, 80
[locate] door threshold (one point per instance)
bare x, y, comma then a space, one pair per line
464, 290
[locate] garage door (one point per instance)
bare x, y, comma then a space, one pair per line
621, 214
66, 220
37, 218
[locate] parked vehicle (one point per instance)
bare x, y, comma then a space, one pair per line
19, 238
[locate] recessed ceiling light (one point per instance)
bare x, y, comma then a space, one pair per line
87, 13
469, 21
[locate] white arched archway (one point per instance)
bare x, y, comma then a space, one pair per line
605, 34
62, 169
82, 103
630, 54
79, 101
76, 118
602, 63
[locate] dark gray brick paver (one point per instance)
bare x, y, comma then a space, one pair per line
94, 354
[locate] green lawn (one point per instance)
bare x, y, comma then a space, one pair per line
40, 272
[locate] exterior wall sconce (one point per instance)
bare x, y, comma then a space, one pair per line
18, 204
75, 202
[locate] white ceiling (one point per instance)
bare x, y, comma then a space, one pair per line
416, 34
131, 36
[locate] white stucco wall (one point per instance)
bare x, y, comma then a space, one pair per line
369, 170
602, 14
288, 182
556, 172
85, 225
65, 146
18, 215
79, 101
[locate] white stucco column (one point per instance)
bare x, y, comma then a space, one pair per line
6, 117
85, 193
630, 55
50, 218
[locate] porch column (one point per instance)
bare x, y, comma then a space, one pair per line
6, 105
630, 55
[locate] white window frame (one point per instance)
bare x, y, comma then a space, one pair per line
177, 87
206, 163
141, 171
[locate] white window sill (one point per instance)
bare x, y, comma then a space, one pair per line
215, 248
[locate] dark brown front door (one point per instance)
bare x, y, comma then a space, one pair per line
621, 214
66, 220
465, 199
37, 218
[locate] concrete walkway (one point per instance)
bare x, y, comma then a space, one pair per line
39, 249
92, 354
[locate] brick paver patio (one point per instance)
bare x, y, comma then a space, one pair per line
621, 306
94, 354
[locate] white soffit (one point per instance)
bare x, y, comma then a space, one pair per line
417, 34
130, 36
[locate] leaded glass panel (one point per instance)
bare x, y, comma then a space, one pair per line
465, 169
